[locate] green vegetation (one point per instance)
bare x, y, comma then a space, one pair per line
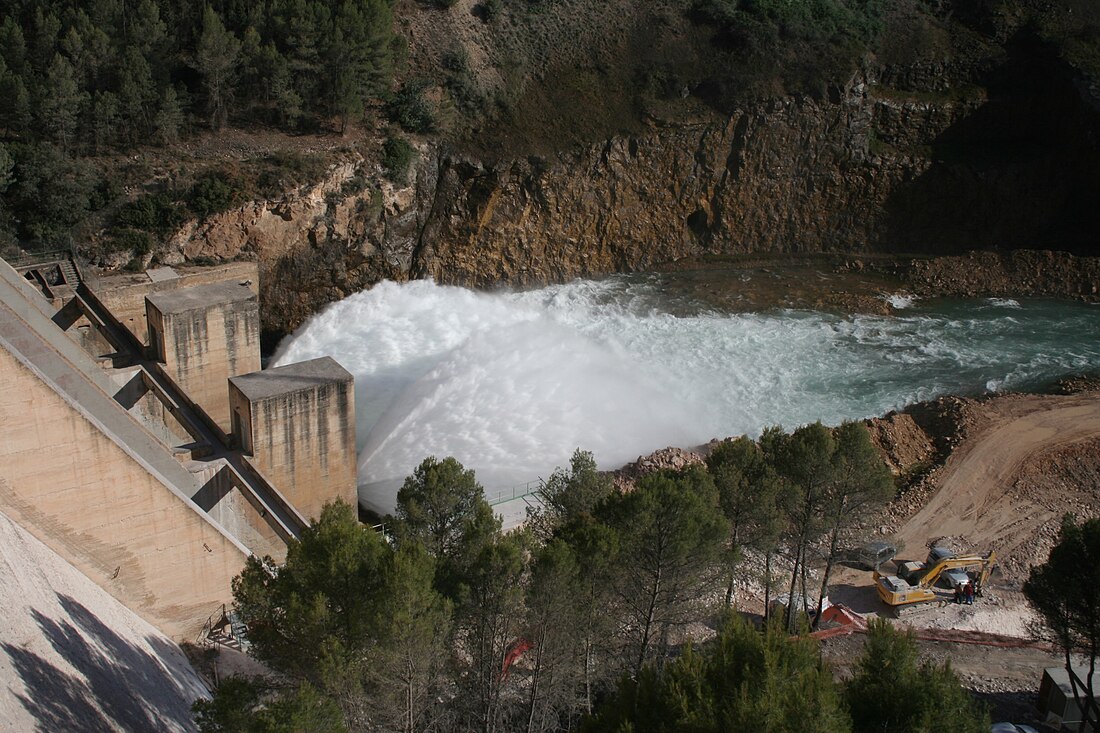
575, 621
137, 224
397, 156
83, 79
214, 192
805, 44
892, 690
84, 83
745, 681
408, 108
108, 73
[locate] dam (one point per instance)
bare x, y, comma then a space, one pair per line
143, 444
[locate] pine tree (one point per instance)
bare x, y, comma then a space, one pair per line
105, 112
568, 495
13, 46
489, 615
7, 169
169, 118
892, 690
216, 59
861, 485
408, 668
47, 29
671, 531
1065, 594
804, 461
89, 48
313, 619
60, 102
360, 55
748, 491
745, 682
146, 32
442, 506
15, 115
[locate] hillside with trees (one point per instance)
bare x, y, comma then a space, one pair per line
108, 102
84, 83
584, 619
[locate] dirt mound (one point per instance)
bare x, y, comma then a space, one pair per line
905, 445
1058, 481
1022, 461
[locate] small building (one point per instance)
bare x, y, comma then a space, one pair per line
204, 335
1056, 700
297, 422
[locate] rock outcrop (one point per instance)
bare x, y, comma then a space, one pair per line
1003, 157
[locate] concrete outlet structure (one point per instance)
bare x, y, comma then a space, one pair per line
297, 422
114, 450
204, 335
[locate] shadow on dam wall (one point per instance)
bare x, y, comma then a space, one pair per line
1021, 171
117, 684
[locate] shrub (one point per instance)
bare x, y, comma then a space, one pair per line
154, 212
285, 170
214, 192
354, 185
138, 242
397, 155
410, 110
490, 9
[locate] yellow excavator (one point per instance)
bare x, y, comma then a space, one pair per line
916, 587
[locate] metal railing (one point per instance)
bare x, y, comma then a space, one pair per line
43, 257
225, 628
516, 492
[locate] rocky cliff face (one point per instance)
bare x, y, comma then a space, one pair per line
790, 175
1001, 157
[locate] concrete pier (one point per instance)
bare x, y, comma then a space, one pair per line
297, 422
204, 335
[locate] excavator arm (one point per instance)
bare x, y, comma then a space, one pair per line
931, 575
896, 592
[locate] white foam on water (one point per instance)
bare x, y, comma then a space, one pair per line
511, 383
1003, 303
899, 301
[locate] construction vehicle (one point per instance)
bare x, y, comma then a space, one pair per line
901, 593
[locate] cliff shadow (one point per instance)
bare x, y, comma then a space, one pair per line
1022, 170
117, 684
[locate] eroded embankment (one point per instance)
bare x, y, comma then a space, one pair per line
993, 473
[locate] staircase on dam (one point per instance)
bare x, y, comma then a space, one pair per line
39, 331
117, 454
211, 443
28, 329
87, 477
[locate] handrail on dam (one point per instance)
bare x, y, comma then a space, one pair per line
519, 491
279, 513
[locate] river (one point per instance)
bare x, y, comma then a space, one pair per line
510, 383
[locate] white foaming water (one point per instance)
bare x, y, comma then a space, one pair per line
899, 301
1004, 302
511, 383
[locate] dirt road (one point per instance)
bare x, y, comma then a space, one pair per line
1002, 488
